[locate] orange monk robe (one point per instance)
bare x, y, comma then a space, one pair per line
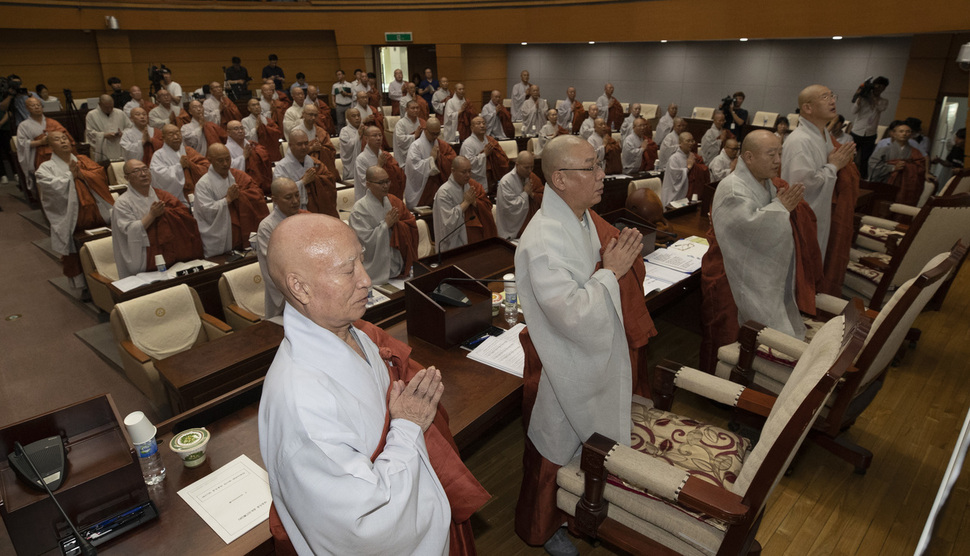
404, 234
214, 133
505, 118
269, 135
247, 211
482, 226
91, 181
535, 201
325, 152
445, 155
423, 110
614, 117
808, 254
396, 174
374, 99
910, 179
651, 153
43, 152
279, 111
536, 514
395, 108
228, 111
183, 118
579, 116
698, 177
322, 191
465, 121
147, 105
149, 148
496, 164
259, 168
612, 155
198, 166
377, 119
174, 234
844, 198
324, 116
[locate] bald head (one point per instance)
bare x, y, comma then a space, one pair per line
559, 152
686, 141
680, 125
164, 97
139, 117
286, 196
524, 164
761, 152
817, 105
460, 163
106, 103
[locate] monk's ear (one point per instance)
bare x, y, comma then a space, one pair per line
298, 288
557, 181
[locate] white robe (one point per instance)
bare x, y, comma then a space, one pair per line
520, 91
755, 236
129, 240
710, 144
321, 416
668, 147
576, 323
664, 126
879, 167
565, 109
448, 216
720, 167
418, 168
598, 146
27, 131
132, 142
193, 136
675, 184
438, 101
96, 124
175, 90
626, 128
212, 110
804, 160
251, 126
292, 118
129, 106
211, 211
449, 128
364, 160
403, 137
267, 105
533, 116
272, 297
237, 154
512, 205
546, 134
350, 145
290, 167
473, 149
159, 116
493, 125
395, 89
381, 261
365, 112
603, 104
632, 153
587, 128
60, 202
167, 172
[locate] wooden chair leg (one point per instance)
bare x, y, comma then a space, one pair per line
859, 457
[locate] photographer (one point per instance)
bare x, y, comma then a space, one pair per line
14, 97
736, 116
867, 107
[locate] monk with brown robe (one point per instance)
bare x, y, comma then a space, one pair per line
461, 204
75, 197
465, 120
571, 111
423, 110
249, 157
272, 104
318, 185
32, 133
371, 155
387, 230
140, 141
324, 116
651, 151
199, 133
218, 108
900, 165
842, 228
610, 108
263, 130
175, 167
228, 205
321, 146
428, 165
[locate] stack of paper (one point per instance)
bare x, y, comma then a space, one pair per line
232, 499
502, 352
666, 267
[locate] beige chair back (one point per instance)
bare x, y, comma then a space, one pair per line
102, 256
507, 102
617, 137
162, 323
339, 166
386, 110
425, 247
702, 113
345, 202
649, 111
947, 220
649, 183
764, 119
510, 147
880, 131
97, 258
518, 128
116, 173
390, 122
626, 107
246, 289
284, 147
588, 103
532, 144
792, 120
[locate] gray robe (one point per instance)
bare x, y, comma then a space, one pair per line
381, 261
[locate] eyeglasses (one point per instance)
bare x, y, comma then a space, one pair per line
828, 96
138, 171
382, 182
598, 165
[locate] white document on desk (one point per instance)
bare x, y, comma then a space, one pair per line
675, 260
502, 352
232, 499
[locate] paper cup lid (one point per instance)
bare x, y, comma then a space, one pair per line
140, 429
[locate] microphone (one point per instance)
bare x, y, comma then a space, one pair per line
86, 547
448, 235
450, 295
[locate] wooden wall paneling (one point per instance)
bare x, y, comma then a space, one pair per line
58, 59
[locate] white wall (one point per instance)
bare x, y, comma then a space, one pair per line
770, 72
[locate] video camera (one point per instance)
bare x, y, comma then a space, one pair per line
156, 77
726, 104
10, 87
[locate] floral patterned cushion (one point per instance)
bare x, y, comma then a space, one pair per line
877, 233
775, 356
707, 452
864, 271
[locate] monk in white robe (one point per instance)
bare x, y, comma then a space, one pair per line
670, 143
137, 101
228, 205
626, 128
568, 109
140, 141
713, 138
338, 486
589, 124
165, 113
476, 149
294, 114
519, 196
286, 203
386, 229
350, 143
634, 145
461, 209
32, 134
490, 112
550, 131
199, 132
406, 130
103, 127
534, 111
371, 154
675, 182
440, 97
218, 108
171, 162
449, 127
520, 91
810, 158
301, 170
423, 168
753, 229
725, 162
666, 123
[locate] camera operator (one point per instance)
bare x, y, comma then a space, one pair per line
14, 97
736, 116
237, 77
867, 107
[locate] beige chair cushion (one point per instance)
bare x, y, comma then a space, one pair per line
793, 120
163, 323
764, 119
345, 202
102, 253
878, 233
248, 290
649, 111
702, 113
425, 247
510, 147
116, 173
390, 121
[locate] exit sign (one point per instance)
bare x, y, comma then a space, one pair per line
397, 37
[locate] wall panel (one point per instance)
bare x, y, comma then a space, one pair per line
58, 59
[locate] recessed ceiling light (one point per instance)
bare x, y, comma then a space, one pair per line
744, 39
837, 38
525, 43
592, 42
663, 40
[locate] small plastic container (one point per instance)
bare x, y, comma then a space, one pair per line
190, 445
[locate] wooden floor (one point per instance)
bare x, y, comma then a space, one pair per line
823, 507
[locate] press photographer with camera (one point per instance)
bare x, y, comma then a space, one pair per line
736, 116
14, 97
867, 108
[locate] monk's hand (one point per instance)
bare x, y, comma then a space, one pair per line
309, 175
691, 160
645, 143
232, 193
144, 135
791, 196
841, 156
171, 118
184, 161
392, 217
247, 149
529, 190
72, 166
418, 400
434, 150
418, 132
899, 165
621, 252
382, 158
488, 148
469, 197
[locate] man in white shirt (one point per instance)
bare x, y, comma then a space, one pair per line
713, 137
286, 203
440, 97
490, 112
341, 98
406, 130
172, 87
671, 143
588, 126
103, 128
395, 90
726, 161
165, 113
866, 111
520, 91
350, 144
666, 123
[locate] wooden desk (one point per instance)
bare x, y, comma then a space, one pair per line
205, 282
214, 368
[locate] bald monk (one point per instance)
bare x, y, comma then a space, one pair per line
370, 155
137, 101
272, 105
369, 115
498, 119
318, 186
900, 165
175, 167
406, 130
751, 271
627, 127
199, 133
321, 146
461, 208
32, 147
453, 107
247, 157
102, 129
324, 116
74, 195
666, 123
345, 442
294, 114
166, 112
676, 182
639, 151
428, 166
551, 130
286, 203
386, 229
589, 124
228, 205
148, 221
263, 130
670, 143
489, 161
610, 109
519, 197
608, 150
534, 111
350, 142
571, 111
424, 111
714, 137
218, 108
726, 161
140, 141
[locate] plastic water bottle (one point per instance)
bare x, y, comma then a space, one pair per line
152, 468
511, 301
160, 263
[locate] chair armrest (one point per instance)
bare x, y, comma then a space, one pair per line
216, 323
758, 403
713, 500
136, 353
782, 342
830, 304
874, 263
712, 387
907, 210
97, 276
243, 313
880, 222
